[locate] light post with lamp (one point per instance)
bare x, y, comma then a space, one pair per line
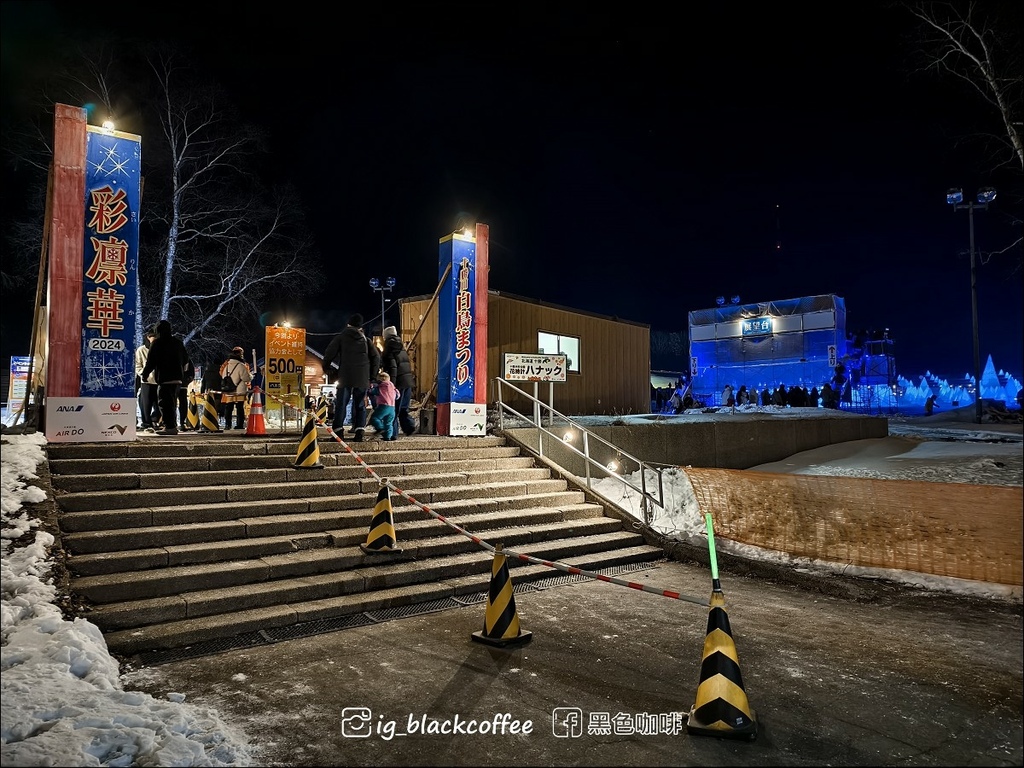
955, 197
388, 285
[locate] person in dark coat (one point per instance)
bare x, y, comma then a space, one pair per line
168, 360
394, 361
353, 361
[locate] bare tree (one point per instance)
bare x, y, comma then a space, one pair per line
216, 239
983, 48
981, 45
228, 241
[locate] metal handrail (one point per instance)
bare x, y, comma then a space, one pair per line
539, 407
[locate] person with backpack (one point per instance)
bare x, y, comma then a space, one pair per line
353, 361
235, 378
394, 360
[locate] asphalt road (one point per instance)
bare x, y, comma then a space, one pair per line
837, 671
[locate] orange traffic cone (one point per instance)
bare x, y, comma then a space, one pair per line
308, 455
501, 622
381, 538
721, 708
256, 425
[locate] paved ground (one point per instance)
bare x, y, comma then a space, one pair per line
837, 672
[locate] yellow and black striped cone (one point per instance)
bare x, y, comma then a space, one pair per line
721, 708
308, 455
192, 416
321, 409
210, 420
501, 622
381, 539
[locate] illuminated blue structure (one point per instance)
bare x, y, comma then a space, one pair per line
794, 341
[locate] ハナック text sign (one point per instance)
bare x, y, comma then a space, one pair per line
519, 367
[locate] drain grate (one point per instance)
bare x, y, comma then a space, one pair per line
318, 627
322, 626
206, 648
414, 609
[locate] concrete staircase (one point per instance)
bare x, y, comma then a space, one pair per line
180, 541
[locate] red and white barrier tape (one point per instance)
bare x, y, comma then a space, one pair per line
572, 570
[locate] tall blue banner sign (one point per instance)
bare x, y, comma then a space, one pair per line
456, 311
110, 260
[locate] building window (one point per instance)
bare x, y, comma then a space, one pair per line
554, 344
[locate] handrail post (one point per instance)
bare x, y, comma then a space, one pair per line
501, 408
586, 457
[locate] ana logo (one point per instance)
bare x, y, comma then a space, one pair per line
69, 408
115, 407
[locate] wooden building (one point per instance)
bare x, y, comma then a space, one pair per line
609, 359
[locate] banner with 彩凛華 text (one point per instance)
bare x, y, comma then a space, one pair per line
113, 167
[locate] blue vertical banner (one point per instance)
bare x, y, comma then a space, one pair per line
456, 308
110, 280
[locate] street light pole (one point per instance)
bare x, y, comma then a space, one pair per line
388, 285
955, 198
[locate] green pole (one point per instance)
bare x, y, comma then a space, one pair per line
715, 583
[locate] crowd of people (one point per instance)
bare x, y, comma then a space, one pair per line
680, 398
370, 380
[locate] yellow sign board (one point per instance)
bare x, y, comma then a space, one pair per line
285, 361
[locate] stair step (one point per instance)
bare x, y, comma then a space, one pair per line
99, 552
183, 631
266, 512
443, 448
484, 471
160, 582
176, 475
297, 483
457, 548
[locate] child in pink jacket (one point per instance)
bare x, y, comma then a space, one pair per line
383, 416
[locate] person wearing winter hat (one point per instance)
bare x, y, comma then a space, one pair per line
383, 416
234, 371
395, 361
353, 361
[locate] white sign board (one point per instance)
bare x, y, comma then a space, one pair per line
468, 419
90, 419
534, 367
832, 356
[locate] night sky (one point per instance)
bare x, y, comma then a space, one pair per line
633, 166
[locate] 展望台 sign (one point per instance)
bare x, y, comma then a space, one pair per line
534, 367
756, 326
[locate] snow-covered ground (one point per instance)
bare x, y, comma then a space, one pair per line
65, 702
